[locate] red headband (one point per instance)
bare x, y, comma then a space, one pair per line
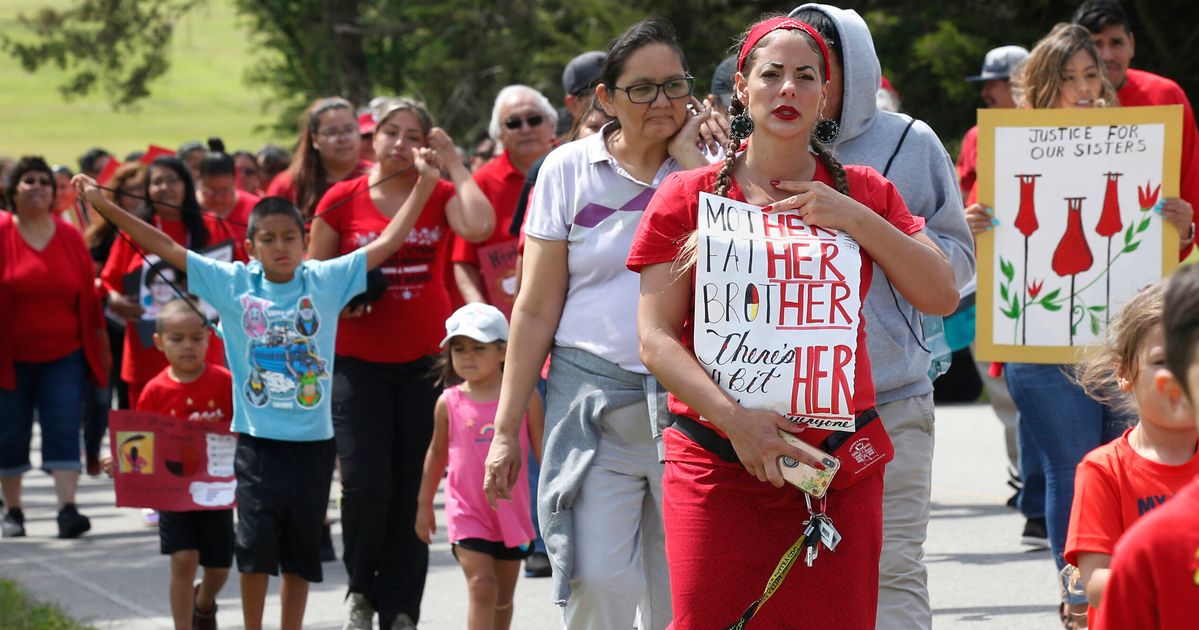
766, 27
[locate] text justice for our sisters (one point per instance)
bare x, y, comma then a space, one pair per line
1056, 142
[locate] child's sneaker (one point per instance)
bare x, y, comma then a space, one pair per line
72, 524
149, 517
359, 613
13, 525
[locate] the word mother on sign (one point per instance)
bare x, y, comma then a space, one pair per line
777, 308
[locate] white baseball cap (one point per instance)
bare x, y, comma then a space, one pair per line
481, 322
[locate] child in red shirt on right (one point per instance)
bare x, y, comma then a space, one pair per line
1154, 577
1121, 481
191, 391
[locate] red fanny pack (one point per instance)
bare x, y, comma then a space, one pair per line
862, 452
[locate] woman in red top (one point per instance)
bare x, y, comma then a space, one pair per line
51, 339
383, 387
173, 209
709, 502
326, 153
219, 195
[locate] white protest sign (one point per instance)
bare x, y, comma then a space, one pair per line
777, 310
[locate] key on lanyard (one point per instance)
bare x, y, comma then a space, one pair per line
820, 530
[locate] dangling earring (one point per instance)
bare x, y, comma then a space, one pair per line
741, 125
825, 130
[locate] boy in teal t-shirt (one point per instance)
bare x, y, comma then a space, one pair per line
279, 322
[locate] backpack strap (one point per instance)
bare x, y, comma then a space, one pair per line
898, 146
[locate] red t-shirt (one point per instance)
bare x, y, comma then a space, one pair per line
140, 363
1154, 581
968, 163
282, 186
412, 312
233, 227
45, 289
1146, 88
1113, 487
501, 183
208, 399
672, 216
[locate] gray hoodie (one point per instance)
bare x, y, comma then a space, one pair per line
925, 176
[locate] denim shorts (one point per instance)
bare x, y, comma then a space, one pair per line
55, 390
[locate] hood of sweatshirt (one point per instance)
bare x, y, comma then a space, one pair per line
861, 74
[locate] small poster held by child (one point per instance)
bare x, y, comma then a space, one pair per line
777, 309
171, 464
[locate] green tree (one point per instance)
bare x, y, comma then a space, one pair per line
456, 54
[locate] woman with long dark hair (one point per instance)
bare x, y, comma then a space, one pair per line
383, 393
172, 207
723, 480
326, 153
599, 501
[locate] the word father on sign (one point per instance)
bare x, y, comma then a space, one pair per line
777, 308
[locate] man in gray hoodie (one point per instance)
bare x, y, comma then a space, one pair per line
909, 153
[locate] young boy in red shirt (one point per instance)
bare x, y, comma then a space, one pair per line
1154, 580
191, 390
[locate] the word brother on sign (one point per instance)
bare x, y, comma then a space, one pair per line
777, 308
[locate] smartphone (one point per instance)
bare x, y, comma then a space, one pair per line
802, 476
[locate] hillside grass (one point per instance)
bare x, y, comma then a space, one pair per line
203, 94
18, 612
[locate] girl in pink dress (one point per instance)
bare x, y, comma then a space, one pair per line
489, 541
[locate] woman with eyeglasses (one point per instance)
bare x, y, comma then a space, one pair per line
384, 392
219, 195
172, 207
600, 495
523, 121
52, 343
326, 153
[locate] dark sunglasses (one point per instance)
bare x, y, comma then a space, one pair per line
532, 121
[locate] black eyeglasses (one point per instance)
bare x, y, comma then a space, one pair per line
515, 123
648, 92
37, 181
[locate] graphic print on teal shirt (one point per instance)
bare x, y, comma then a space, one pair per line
283, 355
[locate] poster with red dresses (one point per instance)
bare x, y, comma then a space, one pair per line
1078, 197
172, 464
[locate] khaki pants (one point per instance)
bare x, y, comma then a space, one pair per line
620, 555
903, 578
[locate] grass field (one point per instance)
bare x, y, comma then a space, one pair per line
17, 612
203, 94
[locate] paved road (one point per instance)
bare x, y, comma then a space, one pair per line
980, 576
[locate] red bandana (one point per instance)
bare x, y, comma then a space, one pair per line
765, 27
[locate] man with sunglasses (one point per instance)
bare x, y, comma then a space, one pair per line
522, 121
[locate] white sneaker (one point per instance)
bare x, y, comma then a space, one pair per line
402, 622
359, 613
